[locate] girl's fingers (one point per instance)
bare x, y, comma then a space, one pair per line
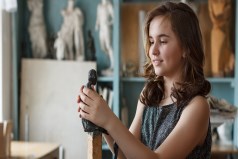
83, 107
83, 115
78, 99
90, 93
93, 87
79, 109
84, 98
81, 87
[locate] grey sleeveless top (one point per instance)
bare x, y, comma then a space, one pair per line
158, 122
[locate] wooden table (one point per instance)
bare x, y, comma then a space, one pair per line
223, 151
34, 150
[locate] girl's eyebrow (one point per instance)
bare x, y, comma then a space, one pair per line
161, 35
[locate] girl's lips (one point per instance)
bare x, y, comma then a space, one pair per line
157, 61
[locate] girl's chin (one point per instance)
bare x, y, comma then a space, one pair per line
159, 73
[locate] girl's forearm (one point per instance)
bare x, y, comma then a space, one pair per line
110, 143
131, 147
109, 140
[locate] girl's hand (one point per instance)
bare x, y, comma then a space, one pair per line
93, 107
79, 99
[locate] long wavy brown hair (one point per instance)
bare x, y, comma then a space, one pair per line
185, 25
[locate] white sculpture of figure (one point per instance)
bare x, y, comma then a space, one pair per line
71, 31
104, 23
59, 45
37, 29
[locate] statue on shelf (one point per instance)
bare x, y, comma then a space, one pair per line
104, 23
206, 27
71, 34
221, 52
37, 29
59, 45
91, 47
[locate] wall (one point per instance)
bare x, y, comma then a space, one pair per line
1, 109
6, 65
49, 90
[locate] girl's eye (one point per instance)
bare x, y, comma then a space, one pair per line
163, 42
151, 42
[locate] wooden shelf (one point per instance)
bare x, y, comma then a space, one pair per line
212, 80
105, 79
133, 79
222, 148
221, 80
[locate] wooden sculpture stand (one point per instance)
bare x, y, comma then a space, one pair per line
95, 146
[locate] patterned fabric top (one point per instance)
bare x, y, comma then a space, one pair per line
158, 122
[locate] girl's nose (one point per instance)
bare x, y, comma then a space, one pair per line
155, 49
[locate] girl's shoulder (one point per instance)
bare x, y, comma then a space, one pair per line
198, 105
199, 100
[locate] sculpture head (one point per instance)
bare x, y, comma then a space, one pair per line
70, 4
92, 77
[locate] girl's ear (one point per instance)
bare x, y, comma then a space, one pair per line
185, 51
184, 54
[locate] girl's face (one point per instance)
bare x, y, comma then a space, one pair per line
165, 51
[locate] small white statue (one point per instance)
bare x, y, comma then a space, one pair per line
104, 23
71, 34
59, 45
37, 29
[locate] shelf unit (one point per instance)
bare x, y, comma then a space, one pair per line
212, 80
236, 77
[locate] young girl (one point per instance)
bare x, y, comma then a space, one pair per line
172, 116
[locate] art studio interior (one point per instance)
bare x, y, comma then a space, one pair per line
50, 48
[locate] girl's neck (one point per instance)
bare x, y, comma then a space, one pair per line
168, 84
